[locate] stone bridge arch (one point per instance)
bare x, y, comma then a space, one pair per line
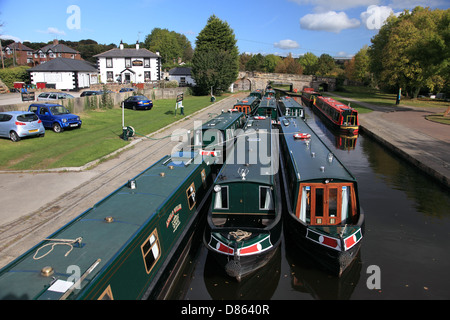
248, 80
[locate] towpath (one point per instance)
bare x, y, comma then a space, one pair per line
36, 204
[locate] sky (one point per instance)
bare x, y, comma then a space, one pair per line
339, 28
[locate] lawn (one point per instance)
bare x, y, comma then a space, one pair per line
377, 97
98, 136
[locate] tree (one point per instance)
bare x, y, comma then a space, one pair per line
289, 65
170, 44
256, 63
412, 51
309, 63
325, 65
271, 62
216, 58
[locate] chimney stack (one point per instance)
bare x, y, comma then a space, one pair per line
137, 45
121, 45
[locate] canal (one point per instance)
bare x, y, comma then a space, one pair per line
405, 253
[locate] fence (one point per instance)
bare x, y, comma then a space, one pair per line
114, 100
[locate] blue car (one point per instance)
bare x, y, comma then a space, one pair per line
55, 116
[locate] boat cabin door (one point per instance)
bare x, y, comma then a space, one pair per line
324, 204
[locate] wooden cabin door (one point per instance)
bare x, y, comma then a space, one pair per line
322, 204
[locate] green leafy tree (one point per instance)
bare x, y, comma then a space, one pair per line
325, 65
309, 63
170, 44
216, 58
411, 51
271, 62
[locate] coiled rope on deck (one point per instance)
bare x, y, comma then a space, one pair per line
55, 242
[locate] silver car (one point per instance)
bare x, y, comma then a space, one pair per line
50, 96
18, 124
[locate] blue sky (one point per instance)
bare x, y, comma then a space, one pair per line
336, 27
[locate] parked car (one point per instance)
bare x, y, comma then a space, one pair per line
47, 96
55, 116
126, 89
91, 93
138, 102
19, 124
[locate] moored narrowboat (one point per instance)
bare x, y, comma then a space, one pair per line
247, 105
309, 95
216, 136
125, 246
340, 116
323, 215
244, 221
290, 107
268, 107
259, 93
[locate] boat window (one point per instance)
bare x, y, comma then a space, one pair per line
265, 198
305, 209
345, 202
319, 202
190, 192
107, 294
221, 199
151, 251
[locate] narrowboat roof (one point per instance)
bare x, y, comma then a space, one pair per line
130, 208
290, 102
311, 156
247, 101
257, 171
268, 102
223, 121
335, 104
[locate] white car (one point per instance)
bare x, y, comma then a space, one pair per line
49, 96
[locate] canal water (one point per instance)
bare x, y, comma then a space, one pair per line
405, 252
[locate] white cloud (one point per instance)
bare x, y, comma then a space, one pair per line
375, 16
325, 5
329, 21
286, 44
9, 37
52, 30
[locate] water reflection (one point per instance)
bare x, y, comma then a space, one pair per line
306, 277
220, 286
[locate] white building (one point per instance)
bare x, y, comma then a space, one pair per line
64, 74
182, 75
128, 65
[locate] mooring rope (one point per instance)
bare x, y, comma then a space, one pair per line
67, 242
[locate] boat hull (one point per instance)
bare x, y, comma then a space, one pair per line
332, 260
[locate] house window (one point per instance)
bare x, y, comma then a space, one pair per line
109, 76
147, 76
221, 198
127, 62
147, 63
151, 251
109, 63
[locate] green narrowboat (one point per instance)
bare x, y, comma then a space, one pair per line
268, 107
124, 247
257, 93
323, 215
244, 221
215, 137
290, 107
247, 105
270, 92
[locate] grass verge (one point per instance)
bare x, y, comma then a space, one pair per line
98, 136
